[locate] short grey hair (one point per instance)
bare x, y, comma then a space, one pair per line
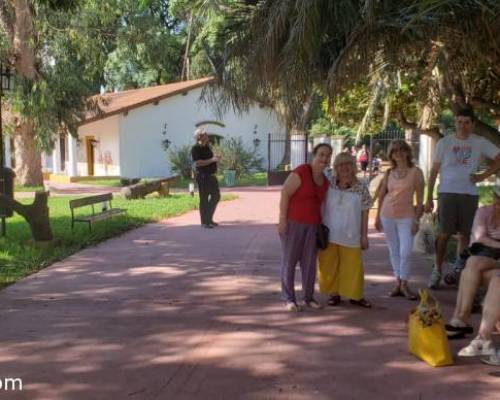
198, 132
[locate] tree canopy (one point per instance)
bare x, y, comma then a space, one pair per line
447, 51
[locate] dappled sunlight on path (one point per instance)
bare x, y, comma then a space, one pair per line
174, 311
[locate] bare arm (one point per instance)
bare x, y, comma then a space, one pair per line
382, 191
492, 169
480, 230
430, 187
290, 186
419, 209
489, 242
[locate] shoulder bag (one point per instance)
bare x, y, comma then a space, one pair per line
322, 231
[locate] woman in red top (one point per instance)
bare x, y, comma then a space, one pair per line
300, 214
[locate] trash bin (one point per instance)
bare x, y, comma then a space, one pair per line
230, 177
7, 188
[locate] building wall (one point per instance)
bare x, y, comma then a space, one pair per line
141, 130
106, 148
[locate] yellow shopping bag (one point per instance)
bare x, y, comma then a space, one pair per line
426, 334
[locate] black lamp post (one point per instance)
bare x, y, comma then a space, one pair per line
6, 83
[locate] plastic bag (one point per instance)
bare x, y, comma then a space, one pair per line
425, 239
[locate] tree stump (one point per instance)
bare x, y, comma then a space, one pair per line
36, 214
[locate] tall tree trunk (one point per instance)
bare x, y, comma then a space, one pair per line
23, 39
29, 167
185, 65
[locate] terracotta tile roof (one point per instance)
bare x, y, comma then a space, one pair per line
109, 104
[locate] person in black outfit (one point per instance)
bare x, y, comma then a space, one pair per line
208, 186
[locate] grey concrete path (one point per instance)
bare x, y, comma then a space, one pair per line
172, 311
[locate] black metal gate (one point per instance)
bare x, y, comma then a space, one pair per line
285, 152
378, 144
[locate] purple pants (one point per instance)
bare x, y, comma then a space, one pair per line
299, 244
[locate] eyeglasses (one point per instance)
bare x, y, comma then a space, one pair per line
395, 149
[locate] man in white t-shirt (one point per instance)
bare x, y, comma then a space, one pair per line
456, 160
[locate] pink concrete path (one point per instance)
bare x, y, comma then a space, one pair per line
172, 311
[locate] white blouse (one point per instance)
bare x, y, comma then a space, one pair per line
341, 212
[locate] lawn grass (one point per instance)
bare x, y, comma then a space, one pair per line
110, 182
255, 179
19, 258
22, 188
485, 195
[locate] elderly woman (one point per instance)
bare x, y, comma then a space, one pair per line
300, 205
397, 215
481, 266
345, 212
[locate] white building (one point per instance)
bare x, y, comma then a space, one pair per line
125, 136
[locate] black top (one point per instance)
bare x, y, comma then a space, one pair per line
199, 152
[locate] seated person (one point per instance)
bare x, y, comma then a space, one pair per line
482, 344
481, 266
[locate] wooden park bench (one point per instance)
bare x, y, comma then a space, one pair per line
107, 211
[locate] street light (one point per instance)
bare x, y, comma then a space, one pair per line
6, 84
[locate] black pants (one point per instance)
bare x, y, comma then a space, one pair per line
208, 187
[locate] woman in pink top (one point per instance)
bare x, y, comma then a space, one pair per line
480, 268
397, 216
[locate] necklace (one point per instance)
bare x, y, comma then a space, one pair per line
398, 174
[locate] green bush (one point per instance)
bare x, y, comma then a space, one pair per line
236, 156
180, 160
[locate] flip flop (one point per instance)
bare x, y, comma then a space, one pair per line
455, 335
334, 300
409, 295
362, 303
396, 292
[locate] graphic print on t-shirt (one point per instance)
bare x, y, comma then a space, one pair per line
462, 154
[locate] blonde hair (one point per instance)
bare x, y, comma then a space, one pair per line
344, 158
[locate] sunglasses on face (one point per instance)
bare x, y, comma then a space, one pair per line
396, 149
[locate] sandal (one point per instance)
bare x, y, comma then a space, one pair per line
408, 294
395, 292
362, 303
334, 300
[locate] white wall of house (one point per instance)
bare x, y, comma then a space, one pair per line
141, 150
105, 132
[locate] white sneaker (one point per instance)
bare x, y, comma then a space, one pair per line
313, 304
494, 359
293, 306
435, 280
477, 347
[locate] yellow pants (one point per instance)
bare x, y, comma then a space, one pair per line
340, 271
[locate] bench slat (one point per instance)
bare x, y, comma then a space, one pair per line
101, 216
86, 201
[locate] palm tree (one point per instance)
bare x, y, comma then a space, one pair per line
284, 47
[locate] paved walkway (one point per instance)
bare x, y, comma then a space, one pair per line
171, 311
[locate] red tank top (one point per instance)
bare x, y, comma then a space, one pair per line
304, 206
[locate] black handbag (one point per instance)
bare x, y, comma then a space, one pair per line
480, 249
322, 232
322, 236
